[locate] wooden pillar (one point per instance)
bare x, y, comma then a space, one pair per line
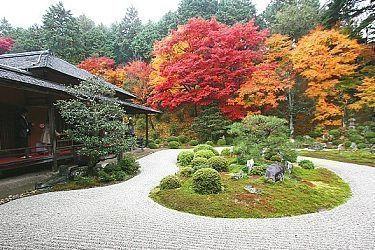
52, 128
146, 130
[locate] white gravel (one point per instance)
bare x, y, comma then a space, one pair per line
122, 216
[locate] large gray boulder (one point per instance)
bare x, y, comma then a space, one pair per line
275, 172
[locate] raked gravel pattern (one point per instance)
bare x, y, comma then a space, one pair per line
122, 216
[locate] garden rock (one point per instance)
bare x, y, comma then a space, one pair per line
317, 146
252, 190
275, 172
104, 163
239, 175
78, 171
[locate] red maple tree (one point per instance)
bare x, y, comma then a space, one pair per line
137, 80
6, 44
104, 67
205, 62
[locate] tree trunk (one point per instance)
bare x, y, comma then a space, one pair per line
344, 116
290, 108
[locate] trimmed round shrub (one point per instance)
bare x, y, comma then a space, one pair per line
276, 158
218, 163
157, 141
347, 144
221, 142
172, 138
306, 164
153, 145
206, 181
170, 182
335, 133
105, 177
186, 172
229, 140
290, 155
204, 153
182, 139
173, 144
211, 143
361, 145
119, 175
258, 170
225, 152
205, 147
193, 143
112, 167
336, 142
129, 165
185, 158
369, 135
199, 162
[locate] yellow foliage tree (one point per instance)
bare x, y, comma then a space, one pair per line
366, 94
324, 57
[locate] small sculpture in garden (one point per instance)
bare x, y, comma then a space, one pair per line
340, 148
231, 150
250, 164
275, 172
353, 146
288, 166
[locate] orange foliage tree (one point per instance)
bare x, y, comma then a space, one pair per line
323, 58
366, 95
104, 67
266, 88
137, 80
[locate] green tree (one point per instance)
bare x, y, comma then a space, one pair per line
5, 27
126, 31
196, 8
143, 42
28, 39
97, 40
61, 33
95, 119
356, 15
296, 18
168, 22
260, 137
210, 124
235, 11
269, 14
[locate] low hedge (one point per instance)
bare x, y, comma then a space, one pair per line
170, 182
218, 163
186, 172
306, 164
204, 153
205, 147
185, 158
206, 181
174, 144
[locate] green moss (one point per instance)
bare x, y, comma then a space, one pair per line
319, 189
361, 157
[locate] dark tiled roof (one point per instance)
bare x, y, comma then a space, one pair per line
46, 59
26, 79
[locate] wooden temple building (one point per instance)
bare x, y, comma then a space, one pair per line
34, 81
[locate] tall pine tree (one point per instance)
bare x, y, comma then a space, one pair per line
62, 34
126, 31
